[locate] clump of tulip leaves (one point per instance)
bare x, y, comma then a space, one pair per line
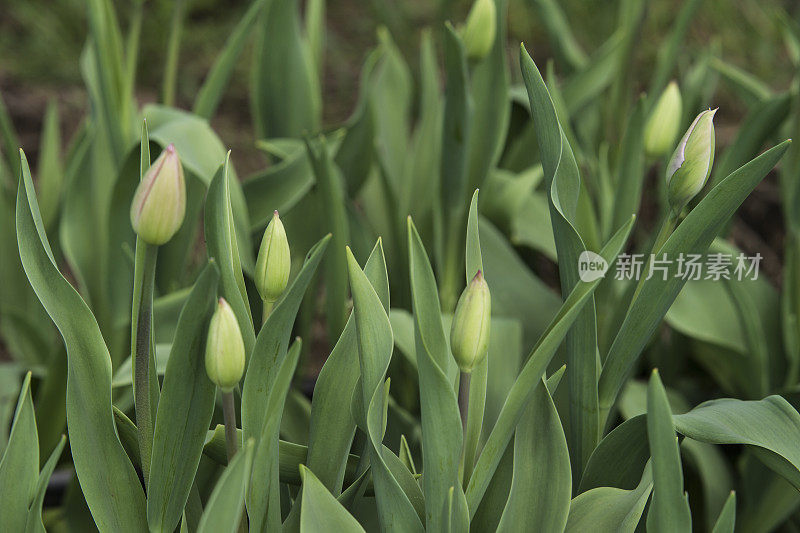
457, 391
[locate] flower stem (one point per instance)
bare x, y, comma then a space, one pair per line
463, 400
229, 416
268, 306
141, 322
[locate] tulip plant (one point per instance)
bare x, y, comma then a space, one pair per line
165, 318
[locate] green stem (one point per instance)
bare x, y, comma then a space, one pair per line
229, 416
667, 227
141, 323
463, 407
268, 306
475, 411
173, 49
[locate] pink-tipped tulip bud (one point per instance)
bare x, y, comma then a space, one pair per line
224, 348
469, 334
159, 204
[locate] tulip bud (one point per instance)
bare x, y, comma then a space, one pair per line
691, 162
479, 30
469, 334
274, 261
224, 348
662, 126
159, 204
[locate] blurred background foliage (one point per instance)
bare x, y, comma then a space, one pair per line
41, 42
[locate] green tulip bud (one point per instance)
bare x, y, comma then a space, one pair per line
224, 348
274, 261
159, 204
480, 28
662, 126
690, 166
469, 334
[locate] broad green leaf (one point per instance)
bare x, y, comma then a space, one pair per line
609, 508
113, 493
321, 512
693, 235
541, 486
278, 188
771, 426
749, 88
223, 247
521, 392
332, 428
374, 341
669, 510
727, 518
619, 459
34, 523
286, 96
187, 394
210, 94
225, 506
631, 168
19, 466
583, 86
442, 432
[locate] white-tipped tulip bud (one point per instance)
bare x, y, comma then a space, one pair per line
274, 261
469, 334
480, 29
159, 204
224, 348
661, 129
690, 165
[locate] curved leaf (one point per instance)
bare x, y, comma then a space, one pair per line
321, 512
34, 523
113, 493
223, 511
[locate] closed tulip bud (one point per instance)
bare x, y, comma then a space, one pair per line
469, 334
662, 126
159, 204
274, 261
224, 348
479, 29
690, 166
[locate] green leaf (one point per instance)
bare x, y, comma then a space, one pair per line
223, 511
563, 182
727, 517
669, 510
113, 493
19, 466
272, 343
609, 508
331, 189
619, 459
223, 247
263, 497
332, 428
34, 523
286, 96
693, 235
321, 512
560, 34
523, 388
541, 486
210, 94
187, 394
375, 344
442, 432
771, 426
50, 172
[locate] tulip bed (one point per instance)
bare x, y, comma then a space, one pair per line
362, 336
